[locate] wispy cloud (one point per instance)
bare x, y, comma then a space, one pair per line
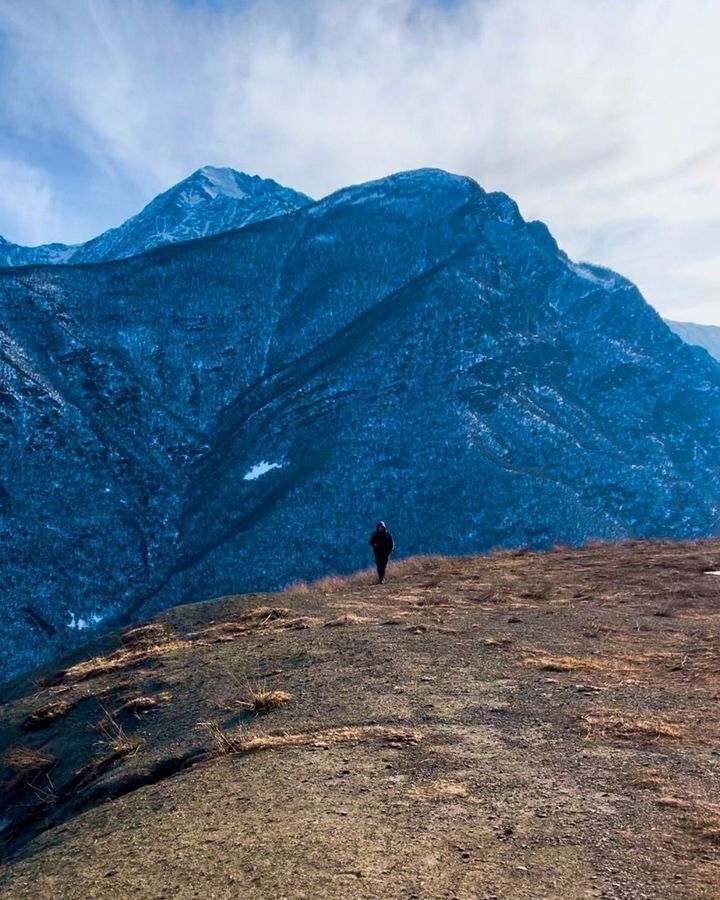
601, 117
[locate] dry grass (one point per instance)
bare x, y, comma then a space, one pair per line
699, 817
44, 790
139, 705
615, 723
295, 589
440, 789
260, 619
349, 619
115, 737
27, 761
499, 642
262, 700
242, 742
416, 565
299, 623
330, 583
364, 577
116, 661
146, 635
46, 715
561, 663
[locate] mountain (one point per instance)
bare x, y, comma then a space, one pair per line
235, 413
521, 725
211, 200
705, 336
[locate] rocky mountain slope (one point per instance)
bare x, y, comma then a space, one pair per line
705, 336
522, 725
235, 413
210, 201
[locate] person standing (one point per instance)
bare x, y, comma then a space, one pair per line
383, 545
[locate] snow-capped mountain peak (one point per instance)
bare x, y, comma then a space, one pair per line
210, 201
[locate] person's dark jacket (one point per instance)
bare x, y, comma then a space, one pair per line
382, 543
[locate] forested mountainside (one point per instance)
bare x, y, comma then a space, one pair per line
234, 413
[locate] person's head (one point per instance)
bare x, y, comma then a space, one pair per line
381, 526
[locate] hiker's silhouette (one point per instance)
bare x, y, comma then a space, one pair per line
383, 545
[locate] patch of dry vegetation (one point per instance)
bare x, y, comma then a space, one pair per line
561, 663
150, 635
696, 815
700, 817
415, 565
260, 619
618, 724
115, 661
241, 741
262, 700
116, 738
295, 589
146, 643
440, 789
28, 761
349, 619
139, 705
424, 627
47, 714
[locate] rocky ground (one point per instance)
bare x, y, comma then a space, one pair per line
522, 725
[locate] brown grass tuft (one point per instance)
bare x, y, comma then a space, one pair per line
262, 700
349, 619
614, 723
259, 619
45, 715
149, 635
27, 761
561, 663
295, 589
139, 705
122, 658
265, 614
415, 565
115, 737
241, 742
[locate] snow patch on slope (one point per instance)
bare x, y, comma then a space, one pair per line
260, 469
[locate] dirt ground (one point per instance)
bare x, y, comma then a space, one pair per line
522, 725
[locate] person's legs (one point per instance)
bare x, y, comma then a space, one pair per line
381, 563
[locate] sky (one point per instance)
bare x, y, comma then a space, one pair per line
600, 117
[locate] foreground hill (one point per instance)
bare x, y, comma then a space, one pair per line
521, 725
234, 413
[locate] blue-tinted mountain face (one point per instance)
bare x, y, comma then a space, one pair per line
210, 201
705, 336
236, 413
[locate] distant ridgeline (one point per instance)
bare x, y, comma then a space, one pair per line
235, 412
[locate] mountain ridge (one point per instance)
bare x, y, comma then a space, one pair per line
705, 336
209, 201
318, 345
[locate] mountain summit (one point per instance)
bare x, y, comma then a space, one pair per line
209, 201
235, 413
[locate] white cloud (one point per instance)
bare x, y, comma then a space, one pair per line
27, 199
601, 117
